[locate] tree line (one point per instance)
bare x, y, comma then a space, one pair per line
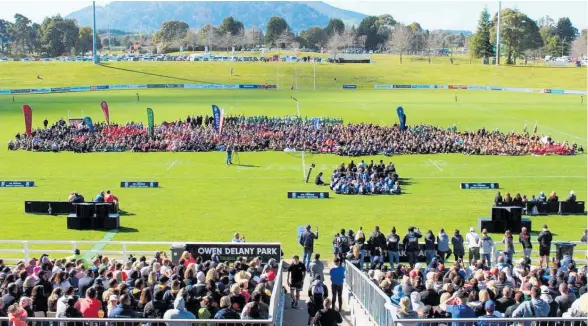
55, 36
521, 37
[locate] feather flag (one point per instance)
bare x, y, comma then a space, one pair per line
218, 118
104, 107
150, 122
89, 123
28, 116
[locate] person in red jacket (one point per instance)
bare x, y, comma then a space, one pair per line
110, 198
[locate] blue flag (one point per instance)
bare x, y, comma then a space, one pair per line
401, 118
89, 123
216, 113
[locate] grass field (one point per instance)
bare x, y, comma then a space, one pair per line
203, 200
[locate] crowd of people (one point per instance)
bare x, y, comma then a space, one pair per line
319, 135
476, 288
363, 179
517, 200
138, 288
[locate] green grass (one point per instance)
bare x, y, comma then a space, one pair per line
202, 200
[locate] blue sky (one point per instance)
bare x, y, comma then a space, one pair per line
430, 14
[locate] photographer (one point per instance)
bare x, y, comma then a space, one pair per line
411, 245
238, 239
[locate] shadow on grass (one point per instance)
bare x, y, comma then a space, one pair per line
248, 165
124, 229
405, 181
536, 233
153, 74
125, 213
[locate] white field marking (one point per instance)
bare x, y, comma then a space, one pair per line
541, 126
287, 177
172, 165
435, 165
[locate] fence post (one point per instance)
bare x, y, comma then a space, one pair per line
25, 245
124, 252
74, 246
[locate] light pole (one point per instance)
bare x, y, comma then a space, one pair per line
297, 106
95, 55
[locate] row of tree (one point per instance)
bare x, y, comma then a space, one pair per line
55, 36
521, 36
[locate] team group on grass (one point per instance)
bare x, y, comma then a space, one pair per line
363, 179
318, 135
483, 288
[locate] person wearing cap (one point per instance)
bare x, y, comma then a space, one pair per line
491, 312
473, 240
544, 238
546, 296
123, 309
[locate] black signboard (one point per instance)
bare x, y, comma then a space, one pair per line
233, 251
348, 86
308, 195
139, 184
479, 185
15, 184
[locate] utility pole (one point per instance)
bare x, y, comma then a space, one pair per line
498, 34
95, 55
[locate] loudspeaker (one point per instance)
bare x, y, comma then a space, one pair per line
85, 209
111, 222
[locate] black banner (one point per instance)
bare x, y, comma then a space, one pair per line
233, 251
348, 86
139, 184
174, 85
17, 184
59, 89
479, 185
155, 85
401, 86
308, 195
20, 91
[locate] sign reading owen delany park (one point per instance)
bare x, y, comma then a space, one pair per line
233, 251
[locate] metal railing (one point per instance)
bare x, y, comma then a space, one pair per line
368, 294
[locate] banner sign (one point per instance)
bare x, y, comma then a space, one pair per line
308, 195
350, 86
17, 184
139, 184
402, 86
230, 252
20, 91
174, 85
89, 123
458, 87
477, 88
155, 85
217, 115
150, 122
59, 89
104, 107
557, 91
79, 88
401, 117
479, 185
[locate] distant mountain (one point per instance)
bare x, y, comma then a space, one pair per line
452, 31
147, 16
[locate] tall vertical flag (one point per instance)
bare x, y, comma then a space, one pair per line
28, 116
218, 118
401, 117
150, 121
89, 123
104, 107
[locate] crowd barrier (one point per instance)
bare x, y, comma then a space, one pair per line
75, 89
481, 88
543, 321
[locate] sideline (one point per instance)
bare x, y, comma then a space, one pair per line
100, 244
172, 165
435, 165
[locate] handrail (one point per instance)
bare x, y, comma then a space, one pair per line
148, 320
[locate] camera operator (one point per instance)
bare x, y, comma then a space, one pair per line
229, 156
411, 244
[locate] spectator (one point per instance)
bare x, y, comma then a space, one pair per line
491, 312
443, 245
296, 274
565, 299
316, 267
473, 240
458, 248
226, 311
497, 199
317, 292
237, 238
397, 294
411, 245
327, 316
535, 307
429, 246
429, 296
89, 305
525, 240
377, 240
39, 301
405, 310
337, 274
553, 197
392, 245
545, 296
123, 309
508, 242
307, 243
544, 238
99, 198
110, 198
541, 197
455, 305
571, 198
486, 248
518, 299
16, 315
262, 308
178, 312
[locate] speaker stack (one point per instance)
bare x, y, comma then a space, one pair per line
92, 216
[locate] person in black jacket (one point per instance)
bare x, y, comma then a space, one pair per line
458, 248
85, 282
39, 300
327, 316
392, 243
525, 240
498, 199
544, 240
377, 240
307, 242
429, 246
411, 244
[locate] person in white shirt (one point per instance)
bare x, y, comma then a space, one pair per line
473, 240
238, 239
486, 248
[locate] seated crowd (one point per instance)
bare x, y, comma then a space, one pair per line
364, 179
436, 289
319, 135
138, 288
522, 201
